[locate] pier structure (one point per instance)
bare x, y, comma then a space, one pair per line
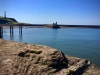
55, 25
1, 31
11, 26
11, 29
20, 29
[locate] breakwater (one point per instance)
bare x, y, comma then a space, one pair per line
42, 25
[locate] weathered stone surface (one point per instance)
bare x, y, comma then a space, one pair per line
28, 59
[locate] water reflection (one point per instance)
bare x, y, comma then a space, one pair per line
1, 36
20, 37
12, 37
54, 36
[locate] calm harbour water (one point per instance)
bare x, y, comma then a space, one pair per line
78, 42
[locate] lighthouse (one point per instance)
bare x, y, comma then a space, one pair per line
4, 14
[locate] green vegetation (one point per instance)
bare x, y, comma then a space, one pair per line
51, 26
1, 17
7, 20
71, 72
52, 64
37, 52
10, 21
64, 64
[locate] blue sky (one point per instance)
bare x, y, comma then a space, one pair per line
84, 12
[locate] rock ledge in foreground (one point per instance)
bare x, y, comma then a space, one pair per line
28, 59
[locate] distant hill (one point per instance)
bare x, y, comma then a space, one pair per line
10, 21
7, 20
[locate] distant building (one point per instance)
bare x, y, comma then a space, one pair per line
55, 25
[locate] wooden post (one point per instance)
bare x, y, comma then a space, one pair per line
10, 30
20, 29
0, 32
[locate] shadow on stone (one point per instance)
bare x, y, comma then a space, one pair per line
81, 70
